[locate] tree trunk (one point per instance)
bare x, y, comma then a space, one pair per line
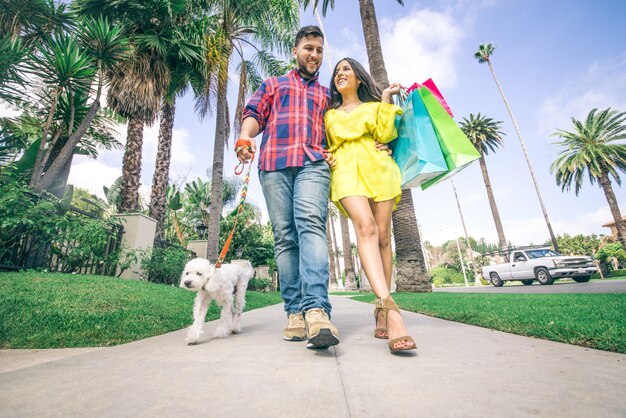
620, 225
162, 167
217, 172
38, 169
67, 152
412, 275
331, 258
350, 282
131, 167
335, 247
492, 202
530, 168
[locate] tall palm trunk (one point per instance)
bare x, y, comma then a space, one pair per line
335, 247
530, 168
410, 265
620, 225
468, 249
217, 172
162, 167
492, 202
331, 258
350, 283
131, 166
39, 167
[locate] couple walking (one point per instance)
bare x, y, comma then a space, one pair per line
318, 141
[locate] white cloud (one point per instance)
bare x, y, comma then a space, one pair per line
423, 44
92, 175
7, 111
600, 86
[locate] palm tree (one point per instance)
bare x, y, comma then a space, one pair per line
592, 148
333, 214
136, 89
185, 59
486, 136
350, 280
264, 26
106, 48
333, 273
411, 268
484, 53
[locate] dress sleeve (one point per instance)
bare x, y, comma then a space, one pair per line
386, 122
330, 139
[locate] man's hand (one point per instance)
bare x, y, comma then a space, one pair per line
383, 147
244, 155
330, 159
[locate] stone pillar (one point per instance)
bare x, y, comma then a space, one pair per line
139, 232
200, 247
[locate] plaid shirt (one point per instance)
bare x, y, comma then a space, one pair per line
290, 112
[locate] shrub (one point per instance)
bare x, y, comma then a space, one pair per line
445, 275
259, 284
164, 265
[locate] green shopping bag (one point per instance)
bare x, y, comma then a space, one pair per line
457, 149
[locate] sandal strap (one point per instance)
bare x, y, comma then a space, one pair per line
386, 305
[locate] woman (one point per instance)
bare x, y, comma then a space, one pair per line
365, 182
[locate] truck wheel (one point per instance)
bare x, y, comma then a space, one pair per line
527, 282
495, 279
543, 276
581, 279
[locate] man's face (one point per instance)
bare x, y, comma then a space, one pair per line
308, 54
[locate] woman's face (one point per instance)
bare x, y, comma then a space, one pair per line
345, 78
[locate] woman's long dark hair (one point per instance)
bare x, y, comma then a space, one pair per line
368, 91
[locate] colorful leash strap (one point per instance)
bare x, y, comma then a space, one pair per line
239, 145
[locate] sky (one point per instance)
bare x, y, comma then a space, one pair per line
554, 59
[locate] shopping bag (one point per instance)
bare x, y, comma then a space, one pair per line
432, 87
457, 149
416, 150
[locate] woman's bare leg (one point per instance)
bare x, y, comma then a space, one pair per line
366, 228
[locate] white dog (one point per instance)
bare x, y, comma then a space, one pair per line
226, 285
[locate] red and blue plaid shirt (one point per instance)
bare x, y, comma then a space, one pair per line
290, 112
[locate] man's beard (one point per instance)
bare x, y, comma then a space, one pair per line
304, 71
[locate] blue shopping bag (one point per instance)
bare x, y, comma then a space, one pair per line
416, 150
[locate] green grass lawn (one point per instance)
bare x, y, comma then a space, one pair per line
51, 310
590, 320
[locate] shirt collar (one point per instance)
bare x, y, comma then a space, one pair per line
296, 72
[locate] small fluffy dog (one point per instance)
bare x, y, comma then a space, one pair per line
226, 285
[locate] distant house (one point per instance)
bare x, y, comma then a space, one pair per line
611, 225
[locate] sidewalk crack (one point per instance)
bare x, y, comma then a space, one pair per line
343, 387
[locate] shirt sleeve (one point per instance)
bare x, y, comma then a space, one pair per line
259, 105
386, 122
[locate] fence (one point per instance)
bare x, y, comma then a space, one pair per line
82, 244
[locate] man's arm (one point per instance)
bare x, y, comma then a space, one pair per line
249, 129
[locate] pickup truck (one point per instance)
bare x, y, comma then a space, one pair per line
541, 264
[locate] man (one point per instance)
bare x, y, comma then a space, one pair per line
289, 110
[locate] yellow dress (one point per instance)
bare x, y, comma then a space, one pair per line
361, 169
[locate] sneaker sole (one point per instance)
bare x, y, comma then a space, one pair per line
294, 338
323, 339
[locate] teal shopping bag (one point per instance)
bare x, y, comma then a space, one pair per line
457, 149
416, 150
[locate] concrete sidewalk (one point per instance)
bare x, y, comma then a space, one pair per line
460, 371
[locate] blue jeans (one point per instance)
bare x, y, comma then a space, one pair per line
297, 202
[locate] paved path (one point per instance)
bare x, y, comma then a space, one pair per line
461, 371
559, 286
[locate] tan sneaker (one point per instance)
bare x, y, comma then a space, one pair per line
321, 333
296, 330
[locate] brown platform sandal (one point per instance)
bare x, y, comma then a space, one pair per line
386, 305
379, 331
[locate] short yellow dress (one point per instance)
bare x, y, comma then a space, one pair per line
361, 169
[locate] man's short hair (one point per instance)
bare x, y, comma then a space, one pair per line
308, 30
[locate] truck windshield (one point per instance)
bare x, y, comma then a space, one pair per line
542, 253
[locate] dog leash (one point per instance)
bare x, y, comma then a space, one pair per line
240, 145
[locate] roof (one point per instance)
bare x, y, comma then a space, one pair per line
612, 223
